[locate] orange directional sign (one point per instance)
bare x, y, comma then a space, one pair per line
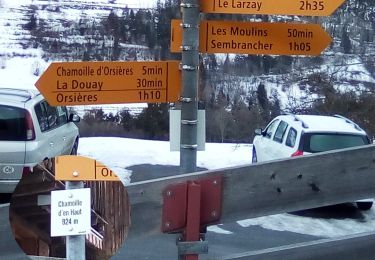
78, 168
285, 7
83, 83
256, 38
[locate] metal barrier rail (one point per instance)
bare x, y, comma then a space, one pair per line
267, 188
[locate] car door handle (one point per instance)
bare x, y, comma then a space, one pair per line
52, 144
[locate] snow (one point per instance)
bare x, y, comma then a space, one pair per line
219, 230
321, 227
120, 153
19, 73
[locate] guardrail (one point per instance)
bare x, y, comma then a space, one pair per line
265, 188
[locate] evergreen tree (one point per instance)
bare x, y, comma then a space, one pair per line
127, 120
262, 96
275, 104
345, 41
154, 121
226, 64
150, 31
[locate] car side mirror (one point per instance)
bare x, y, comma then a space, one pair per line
74, 118
258, 131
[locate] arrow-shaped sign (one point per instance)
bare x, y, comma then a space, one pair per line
284, 7
83, 83
256, 38
79, 168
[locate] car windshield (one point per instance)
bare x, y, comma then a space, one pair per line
12, 124
320, 142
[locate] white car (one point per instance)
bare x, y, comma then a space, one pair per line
295, 135
31, 131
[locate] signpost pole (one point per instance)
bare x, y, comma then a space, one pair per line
75, 245
189, 98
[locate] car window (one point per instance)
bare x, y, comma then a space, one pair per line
291, 137
271, 128
12, 124
41, 114
62, 115
280, 132
320, 142
50, 117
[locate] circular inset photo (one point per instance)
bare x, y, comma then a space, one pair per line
70, 203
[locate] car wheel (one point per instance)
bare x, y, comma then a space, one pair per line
364, 205
254, 158
75, 148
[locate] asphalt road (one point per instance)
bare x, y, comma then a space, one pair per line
220, 245
235, 239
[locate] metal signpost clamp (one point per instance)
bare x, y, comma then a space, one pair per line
189, 5
188, 67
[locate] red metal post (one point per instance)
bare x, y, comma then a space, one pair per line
192, 231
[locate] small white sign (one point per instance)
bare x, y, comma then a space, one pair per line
70, 212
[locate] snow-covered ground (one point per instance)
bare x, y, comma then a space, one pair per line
119, 153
